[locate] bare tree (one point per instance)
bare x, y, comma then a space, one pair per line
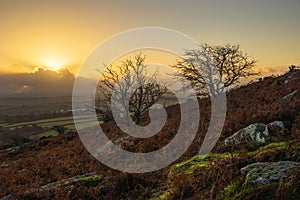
211, 69
131, 73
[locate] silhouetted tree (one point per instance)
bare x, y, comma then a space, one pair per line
210, 68
131, 73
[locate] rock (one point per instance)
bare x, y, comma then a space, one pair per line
288, 98
89, 180
258, 174
276, 129
20, 149
8, 197
278, 124
253, 133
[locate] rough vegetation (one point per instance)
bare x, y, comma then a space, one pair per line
217, 175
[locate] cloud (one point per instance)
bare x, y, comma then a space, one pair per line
12, 69
24, 89
267, 71
40, 83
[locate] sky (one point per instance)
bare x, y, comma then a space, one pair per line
57, 33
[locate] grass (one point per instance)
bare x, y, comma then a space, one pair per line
84, 125
40, 121
197, 162
70, 127
49, 123
56, 123
48, 134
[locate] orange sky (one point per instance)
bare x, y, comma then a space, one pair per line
63, 32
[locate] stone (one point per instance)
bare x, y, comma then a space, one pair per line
257, 132
276, 130
89, 180
8, 197
278, 124
289, 98
258, 174
20, 149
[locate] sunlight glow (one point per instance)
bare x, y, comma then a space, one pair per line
54, 64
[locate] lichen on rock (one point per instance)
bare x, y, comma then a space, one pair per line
279, 124
257, 133
268, 172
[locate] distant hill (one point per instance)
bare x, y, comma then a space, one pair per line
40, 83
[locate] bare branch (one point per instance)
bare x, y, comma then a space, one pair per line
131, 73
210, 66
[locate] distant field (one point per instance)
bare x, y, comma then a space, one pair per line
16, 106
46, 112
47, 134
48, 125
39, 122
84, 121
32, 101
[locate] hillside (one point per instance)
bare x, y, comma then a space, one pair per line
218, 175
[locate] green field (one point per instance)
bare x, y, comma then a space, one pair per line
48, 133
48, 124
39, 122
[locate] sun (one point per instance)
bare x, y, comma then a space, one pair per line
53, 64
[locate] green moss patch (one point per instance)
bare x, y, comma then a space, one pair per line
239, 191
197, 163
284, 148
88, 180
162, 195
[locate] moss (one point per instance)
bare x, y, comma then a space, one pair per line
3, 165
86, 180
278, 145
91, 181
270, 148
239, 191
290, 150
162, 195
235, 190
215, 156
285, 189
197, 163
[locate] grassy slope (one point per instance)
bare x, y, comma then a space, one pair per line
64, 156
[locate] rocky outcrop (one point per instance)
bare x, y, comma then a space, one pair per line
255, 132
258, 133
266, 173
289, 98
